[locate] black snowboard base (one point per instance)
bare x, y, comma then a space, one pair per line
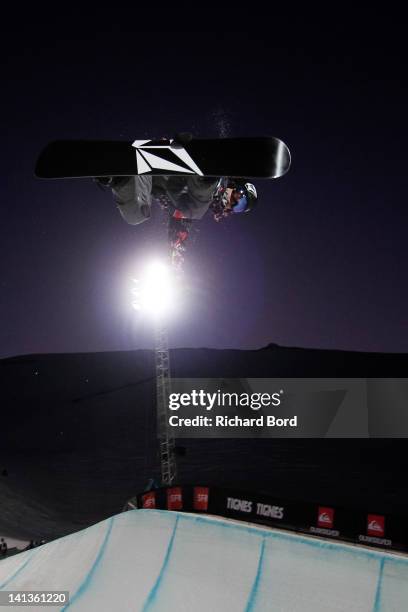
266, 157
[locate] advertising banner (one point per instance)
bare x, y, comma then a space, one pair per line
325, 521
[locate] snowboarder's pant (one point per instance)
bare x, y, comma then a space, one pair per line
133, 197
191, 195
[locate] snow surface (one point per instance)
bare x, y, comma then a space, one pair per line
157, 560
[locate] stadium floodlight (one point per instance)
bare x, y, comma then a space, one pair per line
153, 293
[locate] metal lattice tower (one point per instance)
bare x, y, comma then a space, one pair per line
165, 432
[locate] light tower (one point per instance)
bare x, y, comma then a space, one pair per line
153, 295
163, 390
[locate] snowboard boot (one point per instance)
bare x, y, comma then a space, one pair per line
110, 182
181, 139
104, 182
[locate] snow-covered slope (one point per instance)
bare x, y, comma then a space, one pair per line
156, 560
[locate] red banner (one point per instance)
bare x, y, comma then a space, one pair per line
376, 525
201, 496
174, 499
149, 500
325, 517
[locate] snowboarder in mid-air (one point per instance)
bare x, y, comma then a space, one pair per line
187, 176
185, 198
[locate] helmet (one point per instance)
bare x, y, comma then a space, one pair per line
248, 197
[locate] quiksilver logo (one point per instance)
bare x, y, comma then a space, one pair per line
324, 518
374, 526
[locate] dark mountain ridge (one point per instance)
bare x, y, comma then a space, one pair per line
79, 438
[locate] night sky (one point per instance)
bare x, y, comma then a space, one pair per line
322, 261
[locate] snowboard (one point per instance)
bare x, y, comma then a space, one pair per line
261, 157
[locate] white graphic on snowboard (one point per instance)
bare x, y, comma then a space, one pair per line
148, 158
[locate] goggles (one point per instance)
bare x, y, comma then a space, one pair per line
241, 204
